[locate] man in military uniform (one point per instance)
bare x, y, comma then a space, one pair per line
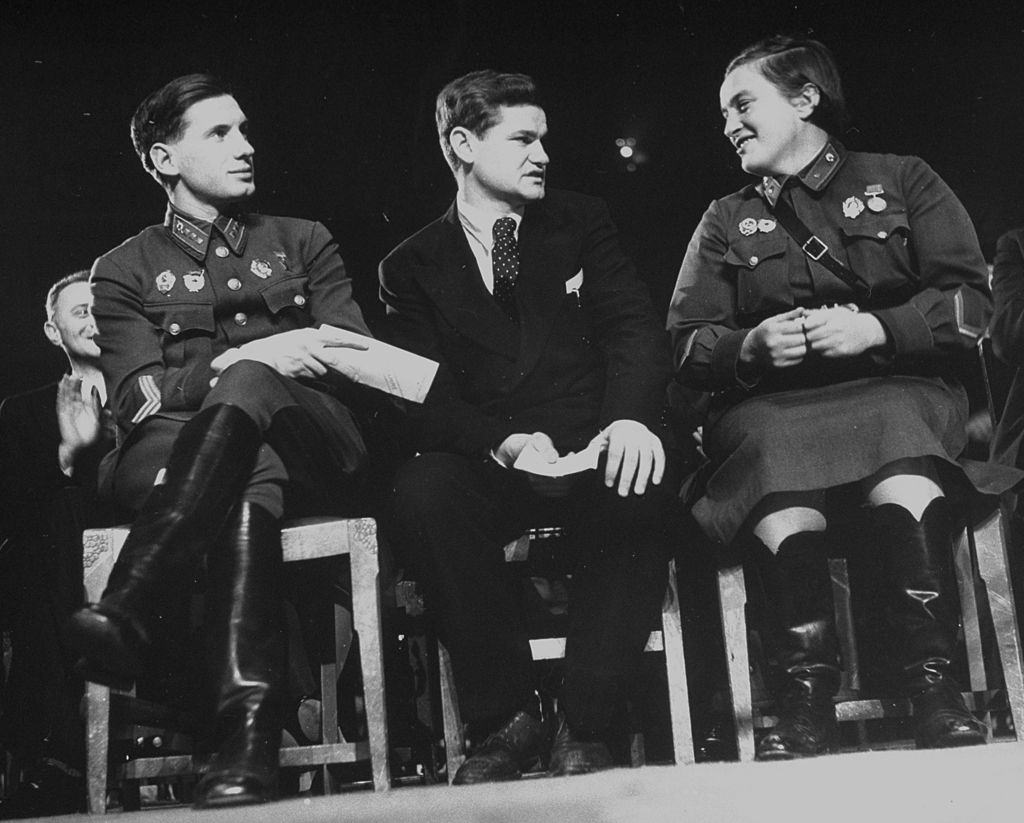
213, 344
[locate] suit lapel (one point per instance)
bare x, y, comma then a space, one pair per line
457, 289
544, 255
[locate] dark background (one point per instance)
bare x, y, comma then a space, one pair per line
341, 99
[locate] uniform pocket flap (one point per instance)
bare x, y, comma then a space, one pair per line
749, 253
287, 292
877, 227
177, 318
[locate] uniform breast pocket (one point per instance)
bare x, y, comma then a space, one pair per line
288, 292
877, 249
188, 329
762, 277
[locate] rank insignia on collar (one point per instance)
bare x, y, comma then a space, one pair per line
748, 226
875, 200
165, 281
765, 225
261, 268
852, 207
194, 280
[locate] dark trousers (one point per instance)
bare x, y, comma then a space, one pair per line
453, 516
304, 464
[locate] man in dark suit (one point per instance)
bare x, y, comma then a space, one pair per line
51, 441
547, 344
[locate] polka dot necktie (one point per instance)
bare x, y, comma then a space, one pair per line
505, 263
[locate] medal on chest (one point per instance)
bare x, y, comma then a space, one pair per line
852, 207
875, 200
194, 280
165, 281
261, 268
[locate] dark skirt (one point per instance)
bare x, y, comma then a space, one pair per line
823, 437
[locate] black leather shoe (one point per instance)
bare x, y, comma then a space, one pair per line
46, 791
942, 720
574, 754
807, 717
519, 745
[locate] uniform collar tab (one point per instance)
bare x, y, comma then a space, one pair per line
816, 175
193, 233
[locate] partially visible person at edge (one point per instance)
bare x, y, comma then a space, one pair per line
828, 354
547, 342
51, 443
229, 416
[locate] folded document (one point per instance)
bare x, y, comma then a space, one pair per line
380, 365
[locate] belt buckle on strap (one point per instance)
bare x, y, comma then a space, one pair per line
819, 249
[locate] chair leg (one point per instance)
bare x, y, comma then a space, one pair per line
732, 594
97, 745
454, 738
675, 670
990, 546
367, 619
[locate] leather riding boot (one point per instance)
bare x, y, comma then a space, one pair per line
924, 617
521, 743
207, 469
798, 590
246, 660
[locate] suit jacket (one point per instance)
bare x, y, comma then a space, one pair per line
43, 510
588, 348
1007, 331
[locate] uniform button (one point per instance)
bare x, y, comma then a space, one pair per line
234, 284
300, 300
830, 157
883, 234
753, 260
221, 251
174, 328
241, 319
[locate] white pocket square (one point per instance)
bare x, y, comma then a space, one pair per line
574, 282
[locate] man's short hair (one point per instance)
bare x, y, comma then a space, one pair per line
160, 118
472, 102
59, 286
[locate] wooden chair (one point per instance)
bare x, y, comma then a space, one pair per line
305, 539
668, 640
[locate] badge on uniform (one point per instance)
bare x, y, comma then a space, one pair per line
765, 225
165, 281
280, 255
875, 200
852, 207
194, 280
261, 268
748, 226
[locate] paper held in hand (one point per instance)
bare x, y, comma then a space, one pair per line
530, 460
382, 366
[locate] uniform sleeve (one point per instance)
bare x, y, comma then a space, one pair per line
329, 284
952, 305
131, 355
626, 327
1008, 295
706, 339
444, 421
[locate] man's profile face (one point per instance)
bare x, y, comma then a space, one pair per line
72, 327
213, 156
509, 161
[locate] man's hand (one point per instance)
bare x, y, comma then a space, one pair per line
80, 420
513, 445
840, 332
634, 452
776, 342
295, 353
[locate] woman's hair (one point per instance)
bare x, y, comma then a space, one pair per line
790, 63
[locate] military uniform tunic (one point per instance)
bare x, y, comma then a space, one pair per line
174, 297
826, 422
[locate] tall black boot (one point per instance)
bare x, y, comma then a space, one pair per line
798, 591
246, 660
208, 467
924, 617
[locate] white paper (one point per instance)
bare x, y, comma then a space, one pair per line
381, 365
530, 460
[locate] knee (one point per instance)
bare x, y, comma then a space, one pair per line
243, 379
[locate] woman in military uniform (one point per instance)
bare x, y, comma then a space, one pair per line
211, 343
822, 310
